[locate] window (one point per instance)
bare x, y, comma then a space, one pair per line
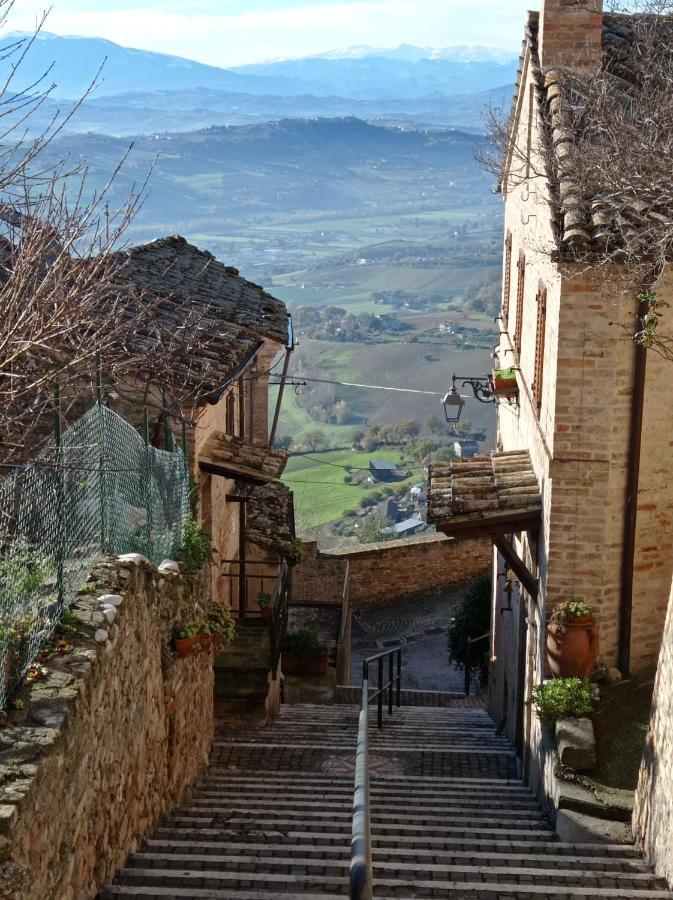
507, 277
539, 344
521, 280
229, 414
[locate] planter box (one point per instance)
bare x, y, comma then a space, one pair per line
291, 664
504, 387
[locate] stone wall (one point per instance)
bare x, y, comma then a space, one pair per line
653, 812
393, 570
109, 737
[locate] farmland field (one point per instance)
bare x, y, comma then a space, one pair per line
317, 480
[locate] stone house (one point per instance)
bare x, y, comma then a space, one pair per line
578, 496
242, 502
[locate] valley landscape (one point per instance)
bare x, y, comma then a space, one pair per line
344, 185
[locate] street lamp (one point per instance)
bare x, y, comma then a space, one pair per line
453, 405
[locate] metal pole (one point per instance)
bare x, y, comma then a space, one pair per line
390, 684
399, 675
380, 693
361, 841
279, 399
468, 665
147, 482
58, 440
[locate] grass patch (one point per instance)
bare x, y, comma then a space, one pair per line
320, 493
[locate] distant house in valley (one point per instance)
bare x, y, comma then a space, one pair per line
408, 527
384, 470
466, 448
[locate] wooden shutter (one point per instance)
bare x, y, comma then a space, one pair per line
507, 277
539, 345
521, 281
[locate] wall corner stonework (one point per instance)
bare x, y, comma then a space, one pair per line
112, 733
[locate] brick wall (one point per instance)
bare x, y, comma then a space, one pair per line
392, 570
653, 811
108, 740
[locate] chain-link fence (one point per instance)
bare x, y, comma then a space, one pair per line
98, 488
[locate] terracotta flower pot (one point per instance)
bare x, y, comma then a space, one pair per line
573, 654
291, 664
207, 640
266, 613
185, 646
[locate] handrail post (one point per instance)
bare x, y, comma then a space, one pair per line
468, 665
390, 684
399, 675
379, 699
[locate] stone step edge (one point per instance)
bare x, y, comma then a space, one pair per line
266, 848
395, 885
398, 867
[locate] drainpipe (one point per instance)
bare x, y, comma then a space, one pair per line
631, 506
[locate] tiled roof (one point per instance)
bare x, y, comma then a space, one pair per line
171, 267
269, 515
484, 492
232, 456
581, 222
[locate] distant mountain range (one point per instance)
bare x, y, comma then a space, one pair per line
357, 73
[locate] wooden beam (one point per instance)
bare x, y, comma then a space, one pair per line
527, 579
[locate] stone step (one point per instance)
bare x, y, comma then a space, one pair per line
271, 821
430, 843
552, 856
379, 806
382, 799
625, 885
442, 699
410, 783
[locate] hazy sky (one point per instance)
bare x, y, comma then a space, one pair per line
232, 32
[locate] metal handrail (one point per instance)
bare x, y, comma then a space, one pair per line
361, 839
468, 658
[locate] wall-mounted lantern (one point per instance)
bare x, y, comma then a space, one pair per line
453, 405
453, 402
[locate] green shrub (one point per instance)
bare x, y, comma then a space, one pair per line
472, 618
304, 643
563, 697
197, 547
508, 374
570, 609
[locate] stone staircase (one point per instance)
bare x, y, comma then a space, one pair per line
450, 818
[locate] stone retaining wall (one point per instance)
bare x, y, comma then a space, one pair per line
393, 570
109, 738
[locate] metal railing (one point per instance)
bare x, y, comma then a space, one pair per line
247, 578
468, 658
361, 839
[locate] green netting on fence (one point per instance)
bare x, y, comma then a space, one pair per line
103, 490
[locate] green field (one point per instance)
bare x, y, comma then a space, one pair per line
318, 483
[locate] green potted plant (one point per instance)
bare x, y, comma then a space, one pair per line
264, 603
186, 638
222, 625
304, 654
504, 382
562, 698
572, 640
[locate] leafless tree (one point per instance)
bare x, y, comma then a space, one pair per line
601, 160
65, 306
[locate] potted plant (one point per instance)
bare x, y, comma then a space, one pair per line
304, 654
572, 640
264, 603
186, 638
562, 698
221, 624
504, 382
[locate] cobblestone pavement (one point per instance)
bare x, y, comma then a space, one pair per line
420, 627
